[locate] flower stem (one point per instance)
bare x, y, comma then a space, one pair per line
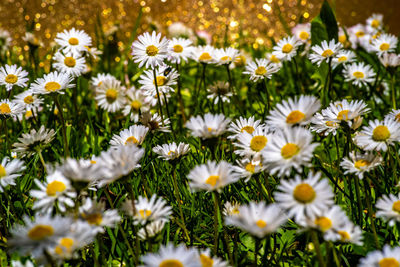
178, 198
368, 199
216, 221
314, 237
393, 91
158, 97
180, 100
42, 160
62, 121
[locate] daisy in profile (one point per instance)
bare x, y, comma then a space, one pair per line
55, 189
231, 209
219, 91
359, 163
134, 135
388, 208
30, 143
390, 60
171, 151
261, 69
154, 122
378, 135
374, 23
13, 75
251, 145
169, 256
209, 126
357, 35
204, 54
110, 95
286, 48
207, 260
135, 103
324, 52
9, 171
151, 229
359, 74
258, 219
384, 43
28, 100
394, 114
248, 167
350, 233
75, 41
54, 82
71, 63
166, 77
304, 198
97, 80
273, 60
302, 32
241, 59
180, 49
146, 210
385, 258
95, 214
242, 124
150, 50
212, 176
324, 125
346, 111
225, 56
289, 148
10, 109
344, 57
294, 111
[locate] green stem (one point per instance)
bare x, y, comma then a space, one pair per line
42, 160
268, 98
314, 237
358, 193
393, 91
63, 128
256, 248
216, 230
158, 96
369, 206
178, 198
180, 100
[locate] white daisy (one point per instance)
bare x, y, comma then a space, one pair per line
388, 208
170, 256
208, 126
359, 74
9, 171
357, 35
241, 59
224, 56
344, 57
53, 82
346, 111
251, 145
5, 40
302, 32
171, 151
374, 23
261, 69
390, 60
204, 54
208, 261
166, 77
350, 233
150, 50
286, 48
219, 91
394, 114
33, 141
28, 100
71, 63
110, 95
324, 125
134, 135
180, 49
151, 229
13, 76
384, 43
82, 172
359, 163
154, 122
100, 78
95, 214
248, 167
135, 104
75, 41
231, 209
242, 124
388, 257
273, 59
146, 210
10, 109
324, 52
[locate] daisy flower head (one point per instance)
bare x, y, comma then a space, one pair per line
378, 135
357, 35
286, 48
359, 163
5, 40
350, 233
323, 125
134, 135
248, 167
258, 219
55, 189
166, 77
171, 151
344, 57
345, 111
294, 111
180, 49
302, 32
33, 141
359, 74
71, 63
208, 126
13, 75
324, 52
155, 122
273, 59
219, 91
207, 260
384, 43
231, 209
146, 210
225, 56
342, 37
388, 257
100, 78
28, 100
151, 229
150, 50
10, 169
54, 82
261, 69
243, 124
390, 60
212, 176
388, 208
135, 103
374, 23
151, 96
304, 198
10, 108
251, 145
241, 59
394, 114
204, 54
289, 148
110, 95
170, 256
75, 41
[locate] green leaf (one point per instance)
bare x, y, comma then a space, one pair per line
318, 31
328, 18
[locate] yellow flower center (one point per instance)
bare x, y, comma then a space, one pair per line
28, 99
93, 162
65, 243
212, 180
145, 213
209, 129
287, 48
28, 113
40, 232
304, 193
73, 41
397, 117
389, 262
161, 80
358, 74
343, 115
136, 104
289, 150
261, 223
111, 95
250, 167
205, 57
249, 129
171, 263
151, 50
206, 261
11, 78
295, 116
396, 206
226, 58
171, 153
380, 133
361, 163
52, 86
360, 34
5, 108
327, 53
131, 140
342, 59
274, 59
258, 142
304, 35
93, 218
330, 123
324, 223
2, 171
344, 236
54, 187
70, 62
178, 48
261, 70
342, 38
384, 46
375, 23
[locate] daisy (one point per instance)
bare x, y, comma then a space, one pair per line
360, 163
100, 78
384, 43
304, 198
10, 109
171, 151
261, 69
286, 48
150, 50
28, 100
388, 257
242, 124
207, 260
359, 74
251, 145
344, 57
5, 40
13, 76
390, 60
231, 209
53, 82
166, 77
74, 41
153, 209
209, 126
302, 32
342, 37
324, 52
294, 111
273, 60
27, 263
357, 35
258, 219
225, 56
135, 103
180, 49
110, 95
378, 135
55, 189
212, 176
394, 114
375, 22
204, 54
388, 208
33, 141
289, 148
134, 135
324, 125
71, 63
172, 256
151, 97
241, 59
248, 167
350, 233
95, 214
219, 91
345, 111
154, 122
151, 229
9, 171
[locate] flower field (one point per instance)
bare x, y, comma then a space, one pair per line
184, 153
